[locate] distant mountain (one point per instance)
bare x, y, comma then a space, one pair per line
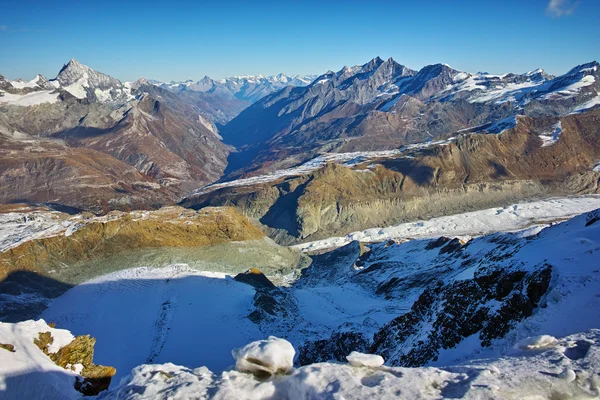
249, 88
383, 105
152, 144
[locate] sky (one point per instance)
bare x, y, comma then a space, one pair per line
177, 40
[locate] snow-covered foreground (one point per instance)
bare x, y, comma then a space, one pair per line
537, 368
567, 369
172, 314
499, 219
27, 373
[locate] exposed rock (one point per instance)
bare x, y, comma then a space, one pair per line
169, 227
254, 278
8, 347
96, 378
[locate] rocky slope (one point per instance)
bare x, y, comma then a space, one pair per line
470, 171
383, 105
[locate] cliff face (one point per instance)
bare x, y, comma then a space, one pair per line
474, 171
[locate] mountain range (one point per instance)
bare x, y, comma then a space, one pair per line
383, 105
162, 141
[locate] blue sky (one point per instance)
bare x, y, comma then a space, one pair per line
176, 40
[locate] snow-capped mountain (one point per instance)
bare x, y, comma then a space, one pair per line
249, 88
84, 82
383, 105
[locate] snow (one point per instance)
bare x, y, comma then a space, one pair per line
170, 314
265, 358
77, 89
551, 137
594, 101
357, 359
480, 222
506, 93
21, 84
28, 373
19, 227
537, 342
525, 376
30, 99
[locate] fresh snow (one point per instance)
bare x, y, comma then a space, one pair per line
265, 358
480, 222
357, 359
29, 99
171, 314
546, 374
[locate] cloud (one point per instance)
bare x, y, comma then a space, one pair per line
559, 8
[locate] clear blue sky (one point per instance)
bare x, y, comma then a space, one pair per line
176, 40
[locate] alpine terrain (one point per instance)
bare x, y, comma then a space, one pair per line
376, 232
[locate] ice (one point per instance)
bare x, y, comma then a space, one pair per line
265, 358
357, 359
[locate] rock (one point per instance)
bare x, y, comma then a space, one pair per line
254, 278
357, 359
8, 347
96, 378
265, 358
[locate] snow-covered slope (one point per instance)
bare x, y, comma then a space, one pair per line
421, 302
26, 372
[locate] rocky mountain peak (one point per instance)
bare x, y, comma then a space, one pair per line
74, 71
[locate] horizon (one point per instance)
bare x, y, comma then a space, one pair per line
52, 77
308, 38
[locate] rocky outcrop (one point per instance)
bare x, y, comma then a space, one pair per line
488, 305
79, 354
271, 303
